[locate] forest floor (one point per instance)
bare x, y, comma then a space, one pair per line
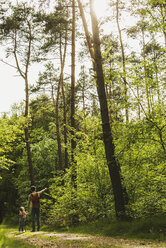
69, 240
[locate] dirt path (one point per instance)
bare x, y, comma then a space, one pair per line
69, 240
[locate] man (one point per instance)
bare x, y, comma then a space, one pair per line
34, 198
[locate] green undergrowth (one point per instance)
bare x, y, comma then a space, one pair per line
7, 242
153, 228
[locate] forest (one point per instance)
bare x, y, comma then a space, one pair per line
92, 127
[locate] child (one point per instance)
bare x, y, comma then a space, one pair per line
22, 217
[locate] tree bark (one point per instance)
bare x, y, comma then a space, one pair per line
88, 38
163, 15
157, 81
114, 169
25, 77
145, 73
84, 109
123, 62
139, 109
62, 62
56, 106
73, 142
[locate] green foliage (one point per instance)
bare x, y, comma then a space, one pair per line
11, 131
42, 113
91, 197
45, 159
140, 152
140, 145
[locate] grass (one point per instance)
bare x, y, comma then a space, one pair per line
6, 242
81, 244
153, 228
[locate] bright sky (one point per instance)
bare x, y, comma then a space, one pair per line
100, 7
12, 86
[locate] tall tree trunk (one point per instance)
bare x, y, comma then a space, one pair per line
88, 38
163, 15
62, 62
123, 62
157, 82
73, 142
56, 106
164, 37
24, 75
84, 109
145, 73
138, 99
114, 169
26, 130
57, 128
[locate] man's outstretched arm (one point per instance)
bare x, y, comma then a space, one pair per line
41, 191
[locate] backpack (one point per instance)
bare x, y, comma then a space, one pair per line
35, 200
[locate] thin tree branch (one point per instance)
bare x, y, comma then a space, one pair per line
15, 67
16, 59
29, 50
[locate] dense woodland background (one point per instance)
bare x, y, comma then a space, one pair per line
101, 150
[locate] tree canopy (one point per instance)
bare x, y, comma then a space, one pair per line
92, 128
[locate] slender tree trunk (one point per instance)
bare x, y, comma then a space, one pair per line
157, 83
25, 77
164, 37
88, 38
26, 130
139, 109
28, 147
84, 109
57, 128
62, 62
123, 62
56, 106
114, 169
73, 142
163, 15
145, 73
